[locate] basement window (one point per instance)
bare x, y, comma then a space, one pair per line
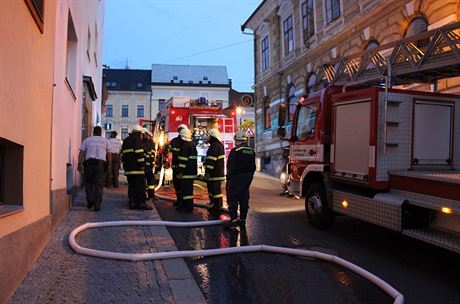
11, 177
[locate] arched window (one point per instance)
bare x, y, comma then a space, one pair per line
311, 81
291, 103
371, 44
418, 25
267, 113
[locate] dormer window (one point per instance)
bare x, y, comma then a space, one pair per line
205, 77
174, 77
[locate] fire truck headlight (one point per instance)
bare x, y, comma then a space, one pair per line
345, 204
446, 210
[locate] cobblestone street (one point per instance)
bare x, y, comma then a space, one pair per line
62, 276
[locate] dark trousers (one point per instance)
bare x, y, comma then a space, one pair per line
136, 189
238, 194
113, 171
94, 181
186, 190
215, 193
150, 179
177, 188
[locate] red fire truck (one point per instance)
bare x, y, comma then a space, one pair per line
387, 157
200, 115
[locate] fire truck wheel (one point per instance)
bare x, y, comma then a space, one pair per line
319, 215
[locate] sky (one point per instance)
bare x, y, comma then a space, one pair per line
195, 32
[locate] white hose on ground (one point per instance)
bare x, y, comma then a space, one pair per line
396, 295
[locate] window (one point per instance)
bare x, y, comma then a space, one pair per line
71, 60
306, 121
308, 19
109, 111
265, 54
139, 85
36, 9
11, 174
310, 87
88, 45
332, 10
416, 26
288, 35
124, 111
161, 104
372, 44
291, 103
267, 113
124, 133
140, 110
108, 126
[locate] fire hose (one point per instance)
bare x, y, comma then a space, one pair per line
391, 291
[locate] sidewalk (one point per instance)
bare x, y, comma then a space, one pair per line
61, 276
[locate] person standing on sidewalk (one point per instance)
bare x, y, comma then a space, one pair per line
241, 166
214, 169
187, 170
94, 153
134, 166
176, 145
149, 155
114, 165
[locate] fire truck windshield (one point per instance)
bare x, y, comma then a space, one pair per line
306, 121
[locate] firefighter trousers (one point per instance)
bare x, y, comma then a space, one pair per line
136, 189
215, 193
238, 194
177, 187
150, 179
186, 190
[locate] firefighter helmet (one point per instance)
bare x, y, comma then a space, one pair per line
215, 133
181, 126
186, 134
241, 136
136, 128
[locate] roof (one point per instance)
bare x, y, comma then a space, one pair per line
196, 75
252, 15
127, 80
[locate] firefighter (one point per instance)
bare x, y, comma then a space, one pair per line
175, 147
214, 169
187, 170
149, 155
134, 166
240, 171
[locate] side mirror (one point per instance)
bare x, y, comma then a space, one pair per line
282, 115
281, 132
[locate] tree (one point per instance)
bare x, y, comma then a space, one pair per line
247, 123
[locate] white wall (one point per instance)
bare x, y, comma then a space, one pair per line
67, 109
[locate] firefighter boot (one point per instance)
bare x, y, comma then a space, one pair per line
243, 215
234, 222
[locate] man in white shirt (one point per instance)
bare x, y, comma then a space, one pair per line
114, 166
94, 152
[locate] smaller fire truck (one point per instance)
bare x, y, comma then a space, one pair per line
199, 115
387, 157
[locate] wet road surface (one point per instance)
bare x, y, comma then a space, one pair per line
422, 273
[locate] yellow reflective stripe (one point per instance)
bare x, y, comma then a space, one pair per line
140, 160
173, 166
222, 178
211, 157
217, 196
176, 149
182, 165
182, 158
127, 150
210, 167
188, 176
139, 151
187, 197
151, 187
193, 157
220, 156
133, 172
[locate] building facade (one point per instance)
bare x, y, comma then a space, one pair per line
294, 38
193, 81
129, 100
43, 90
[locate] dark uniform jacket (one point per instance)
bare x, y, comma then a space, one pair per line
241, 160
214, 163
149, 153
133, 155
187, 158
176, 144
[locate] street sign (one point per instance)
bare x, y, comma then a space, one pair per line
249, 131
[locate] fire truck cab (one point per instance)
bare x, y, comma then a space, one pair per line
387, 157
